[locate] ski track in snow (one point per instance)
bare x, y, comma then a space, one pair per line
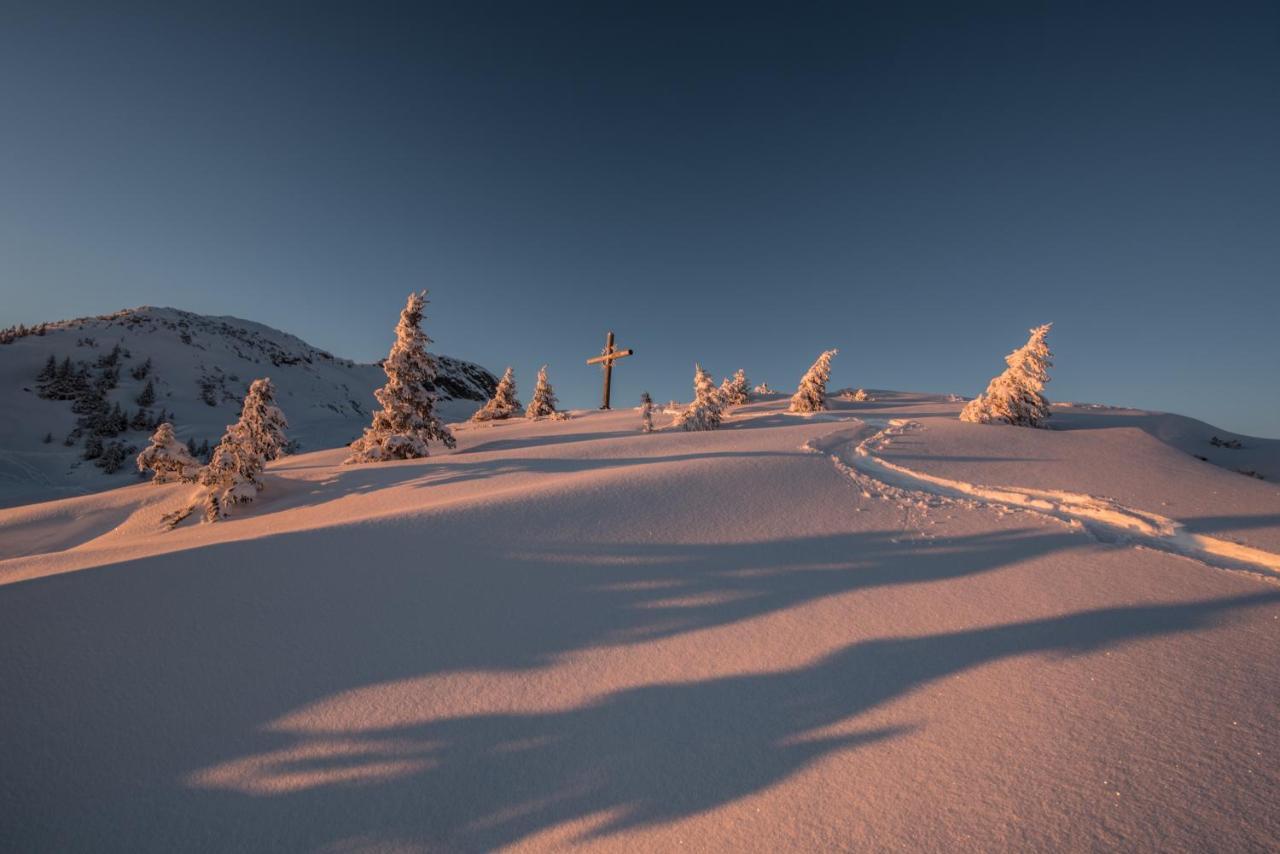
1102, 518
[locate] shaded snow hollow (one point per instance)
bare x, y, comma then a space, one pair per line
870, 628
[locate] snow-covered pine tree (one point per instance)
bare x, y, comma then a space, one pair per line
231, 477
735, 391
646, 413
544, 398
811, 396
762, 389
504, 403
168, 458
704, 412
1016, 395
407, 420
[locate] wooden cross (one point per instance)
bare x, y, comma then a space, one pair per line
606, 358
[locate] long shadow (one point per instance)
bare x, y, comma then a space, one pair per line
443, 471
1228, 523
656, 753
542, 441
893, 456
123, 681
141, 673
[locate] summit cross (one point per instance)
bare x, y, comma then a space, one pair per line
606, 360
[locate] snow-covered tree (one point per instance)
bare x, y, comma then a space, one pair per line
646, 413
231, 477
811, 396
762, 389
1016, 396
407, 420
704, 412
504, 403
735, 391
544, 397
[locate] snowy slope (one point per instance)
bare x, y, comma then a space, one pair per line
201, 368
570, 634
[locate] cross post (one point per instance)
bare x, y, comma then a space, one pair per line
606, 359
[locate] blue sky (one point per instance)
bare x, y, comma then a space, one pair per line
741, 185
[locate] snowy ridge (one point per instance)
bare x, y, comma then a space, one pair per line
1106, 520
574, 635
198, 369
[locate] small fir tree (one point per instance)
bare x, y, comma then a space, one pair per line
704, 412
762, 389
49, 371
231, 477
504, 403
114, 456
168, 458
735, 391
1016, 395
646, 413
811, 396
407, 420
147, 396
544, 397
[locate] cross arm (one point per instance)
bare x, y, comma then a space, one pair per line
609, 357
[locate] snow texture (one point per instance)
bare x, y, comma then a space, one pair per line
567, 635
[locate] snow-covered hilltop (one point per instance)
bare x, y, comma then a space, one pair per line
871, 627
72, 431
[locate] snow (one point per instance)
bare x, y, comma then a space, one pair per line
327, 399
574, 634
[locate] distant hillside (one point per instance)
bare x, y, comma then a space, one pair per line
65, 430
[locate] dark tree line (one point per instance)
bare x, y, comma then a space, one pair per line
100, 421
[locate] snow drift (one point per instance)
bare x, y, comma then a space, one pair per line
575, 634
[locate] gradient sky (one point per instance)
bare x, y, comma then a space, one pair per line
916, 184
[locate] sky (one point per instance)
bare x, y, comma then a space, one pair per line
741, 185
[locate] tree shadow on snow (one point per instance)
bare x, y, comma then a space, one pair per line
668, 751
180, 663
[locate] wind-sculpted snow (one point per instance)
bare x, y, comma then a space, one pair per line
574, 635
1106, 520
